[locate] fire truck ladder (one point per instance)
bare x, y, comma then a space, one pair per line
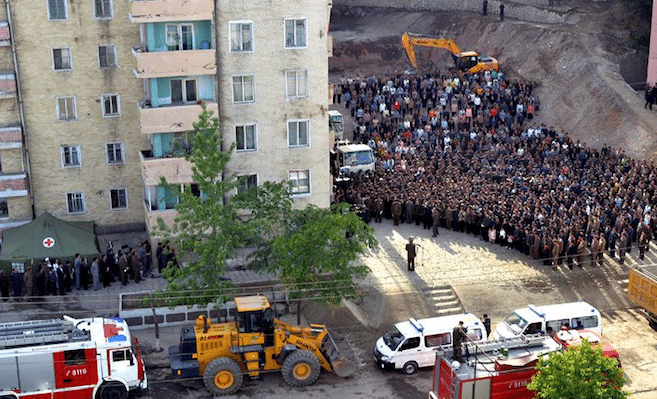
523, 341
39, 332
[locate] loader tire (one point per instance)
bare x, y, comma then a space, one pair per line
300, 368
223, 376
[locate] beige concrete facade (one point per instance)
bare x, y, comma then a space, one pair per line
15, 200
268, 62
77, 96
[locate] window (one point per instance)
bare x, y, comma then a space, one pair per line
243, 89
75, 202
182, 143
180, 37
70, 156
74, 357
61, 59
245, 137
410, 343
295, 33
57, 10
4, 209
103, 9
475, 334
296, 83
115, 153
119, 198
586, 322
66, 109
111, 105
240, 37
107, 56
183, 91
300, 180
438, 339
298, 133
247, 182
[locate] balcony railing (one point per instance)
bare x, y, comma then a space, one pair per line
10, 137
176, 170
13, 185
161, 64
7, 85
144, 11
171, 118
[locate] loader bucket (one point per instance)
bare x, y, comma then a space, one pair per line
334, 347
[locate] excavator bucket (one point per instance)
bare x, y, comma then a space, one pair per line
334, 347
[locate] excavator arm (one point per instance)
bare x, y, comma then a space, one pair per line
409, 41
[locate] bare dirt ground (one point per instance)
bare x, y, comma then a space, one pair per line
575, 65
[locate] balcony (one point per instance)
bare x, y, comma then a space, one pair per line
10, 137
161, 64
176, 170
7, 84
329, 38
171, 118
13, 185
145, 11
152, 215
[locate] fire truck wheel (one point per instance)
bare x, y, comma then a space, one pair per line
112, 390
223, 376
410, 368
300, 368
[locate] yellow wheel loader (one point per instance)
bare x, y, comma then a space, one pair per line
223, 353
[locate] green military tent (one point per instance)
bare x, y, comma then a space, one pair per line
47, 237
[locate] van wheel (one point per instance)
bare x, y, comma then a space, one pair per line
112, 390
410, 368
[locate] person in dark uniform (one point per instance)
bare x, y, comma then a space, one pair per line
410, 254
487, 324
459, 335
501, 11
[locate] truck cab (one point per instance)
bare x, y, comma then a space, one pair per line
348, 158
336, 124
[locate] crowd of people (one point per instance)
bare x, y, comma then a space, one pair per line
463, 153
54, 277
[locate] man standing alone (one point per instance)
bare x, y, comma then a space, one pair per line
410, 255
459, 335
501, 12
485, 8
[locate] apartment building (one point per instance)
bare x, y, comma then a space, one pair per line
261, 67
79, 95
110, 90
15, 201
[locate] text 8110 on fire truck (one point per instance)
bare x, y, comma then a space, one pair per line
69, 359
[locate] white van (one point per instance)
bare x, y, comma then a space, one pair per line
412, 344
549, 320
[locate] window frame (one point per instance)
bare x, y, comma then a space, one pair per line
63, 149
245, 140
244, 186
111, 9
117, 191
289, 136
179, 36
305, 33
253, 89
57, 109
294, 190
70, 59
69, 198
105, 97
113, 51
113, 151
183, 88
296, 95
50, 17
230, 36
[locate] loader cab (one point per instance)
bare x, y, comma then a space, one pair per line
255, 320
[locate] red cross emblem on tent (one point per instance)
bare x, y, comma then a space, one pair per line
48, 242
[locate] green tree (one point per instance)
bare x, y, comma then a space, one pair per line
316, 254
581, 372
209, 228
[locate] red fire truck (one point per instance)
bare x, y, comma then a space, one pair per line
500, 369
69, 359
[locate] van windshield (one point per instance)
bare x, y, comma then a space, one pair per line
393, 338
515, 323
358, 158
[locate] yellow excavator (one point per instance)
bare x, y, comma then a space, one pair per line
256, 342
466, 61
